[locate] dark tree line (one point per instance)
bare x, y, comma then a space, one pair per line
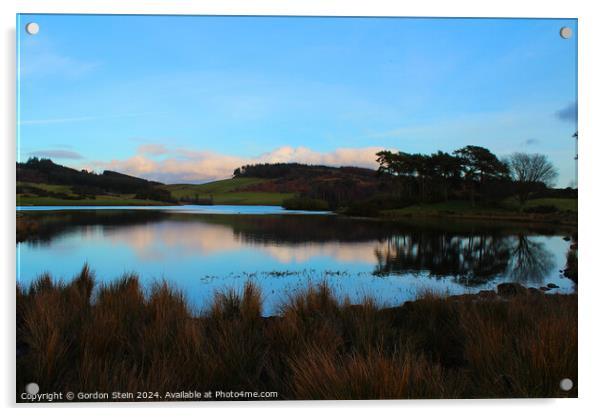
470, 172
283, 170
320, 187
427, 178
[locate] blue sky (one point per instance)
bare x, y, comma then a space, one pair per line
188, 99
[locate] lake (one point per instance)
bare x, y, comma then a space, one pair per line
201, 249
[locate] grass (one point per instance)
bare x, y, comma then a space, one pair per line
563, 204
437, 208
65, 189
83, 336
228, 192
100, 200
217, 187
110, 199
507, 210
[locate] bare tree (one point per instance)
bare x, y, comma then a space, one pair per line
529, 171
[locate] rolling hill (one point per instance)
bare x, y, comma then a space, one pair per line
42, 182
272, 184
233, 191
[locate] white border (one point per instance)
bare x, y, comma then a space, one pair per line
590, 135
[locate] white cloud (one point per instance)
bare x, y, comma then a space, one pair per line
188, 165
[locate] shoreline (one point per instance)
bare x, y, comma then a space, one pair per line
561, 220
519, 218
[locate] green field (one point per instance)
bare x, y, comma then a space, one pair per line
217, 187
110, 199
224, 192
228, 192
563, 204
66, 189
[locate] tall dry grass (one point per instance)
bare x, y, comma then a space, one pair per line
83, 336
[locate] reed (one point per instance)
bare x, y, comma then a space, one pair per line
85, 336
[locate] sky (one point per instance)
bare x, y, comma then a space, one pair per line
190, 98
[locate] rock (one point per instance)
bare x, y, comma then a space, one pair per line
574, 246
534, 291
488, 294
544, 288
553, 286
566, 238
510, 289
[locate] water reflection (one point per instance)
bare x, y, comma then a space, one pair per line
530, 261
470, 259
185, 248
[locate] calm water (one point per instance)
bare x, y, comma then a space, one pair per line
203, 249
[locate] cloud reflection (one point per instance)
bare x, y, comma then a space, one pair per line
178, 240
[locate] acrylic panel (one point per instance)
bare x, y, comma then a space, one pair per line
285, 208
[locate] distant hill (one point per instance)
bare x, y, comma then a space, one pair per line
40, 181
273, 184
296, 177
352, 190
233, 191
43, 182
335, 186
46, 171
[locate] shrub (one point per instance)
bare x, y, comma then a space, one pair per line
305, 204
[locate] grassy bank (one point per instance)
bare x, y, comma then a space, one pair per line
564, 211
118, 339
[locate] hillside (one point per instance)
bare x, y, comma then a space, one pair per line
354, 191
235, 191
272, 184
43, 182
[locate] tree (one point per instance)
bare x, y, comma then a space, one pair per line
447, 168
529, 171
386, 162
478, 165
402, 166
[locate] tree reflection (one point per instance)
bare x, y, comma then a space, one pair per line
470, 259
530, 260
469, 253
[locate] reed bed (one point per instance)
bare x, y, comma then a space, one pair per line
85, 336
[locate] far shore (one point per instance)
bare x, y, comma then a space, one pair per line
457, 210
